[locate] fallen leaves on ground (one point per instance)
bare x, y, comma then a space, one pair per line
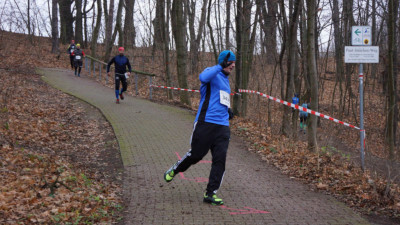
52, 157
324, 170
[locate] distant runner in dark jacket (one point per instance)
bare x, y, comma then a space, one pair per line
211, 126
70, 50
120, 62
303, 117
78, 55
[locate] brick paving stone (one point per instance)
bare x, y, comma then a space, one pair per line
149, 137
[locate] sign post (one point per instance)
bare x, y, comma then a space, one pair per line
362, 52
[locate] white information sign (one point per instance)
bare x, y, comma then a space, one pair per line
361, 54
361, 35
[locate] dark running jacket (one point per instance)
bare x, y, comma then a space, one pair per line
120, 62
215, 96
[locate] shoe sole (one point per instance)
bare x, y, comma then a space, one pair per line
165, 177
212, 203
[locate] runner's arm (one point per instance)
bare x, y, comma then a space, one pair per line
109, 64
209, 73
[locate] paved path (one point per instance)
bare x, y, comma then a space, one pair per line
153, 136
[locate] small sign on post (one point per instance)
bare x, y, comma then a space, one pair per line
361, 35
360, 54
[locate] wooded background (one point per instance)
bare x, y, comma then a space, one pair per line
282, 47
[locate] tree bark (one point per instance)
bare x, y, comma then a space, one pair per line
312, 65
179, 32
96, 30
66, 21
392, 73
195, 39
245, 46
78, 23
129, 28
109, 18
211, 31
292, 51
228, 24
54, 27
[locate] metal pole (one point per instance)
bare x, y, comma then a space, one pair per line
100, 72
90, 67
94, 69
136, 84
85, 63
362, 131
151, 88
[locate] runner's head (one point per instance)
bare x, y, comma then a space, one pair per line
72, 41
78, 45
231, 60
121, 50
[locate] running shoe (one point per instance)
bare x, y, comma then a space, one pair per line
169, 175
121, 96
117, 101
212, 199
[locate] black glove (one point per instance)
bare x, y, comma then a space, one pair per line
231, 115
225, 63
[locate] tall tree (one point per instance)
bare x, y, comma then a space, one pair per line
245, 39
195, 39
211, 30
179, 32
392, 74
54, 27
129, 28
228, 24
78, 22
291, 66
157, 24
166, 40
312, 73
109, 18
66, 21
96, 30
338, 50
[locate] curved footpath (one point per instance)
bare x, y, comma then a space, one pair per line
153, 136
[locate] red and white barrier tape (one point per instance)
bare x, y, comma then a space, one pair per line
174, 88
299, 108
182, 89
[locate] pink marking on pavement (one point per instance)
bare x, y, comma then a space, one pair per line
196, 179
202, 161
246, 210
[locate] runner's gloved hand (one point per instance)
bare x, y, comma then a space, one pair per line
225, 63
230, 112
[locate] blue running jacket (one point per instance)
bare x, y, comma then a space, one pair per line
215, 96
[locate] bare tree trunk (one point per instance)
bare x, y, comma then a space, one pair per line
96, 30
66, 21
157, 24
245, 46
228, 24
195, 39
392, 73
165, 27
129, 29
292, 51
109, 17
211, 31
338, 50
179, 32
312, 65
78, 23
54, 27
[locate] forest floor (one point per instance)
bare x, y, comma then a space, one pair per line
37, 155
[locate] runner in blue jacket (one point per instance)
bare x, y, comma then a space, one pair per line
121, 62
211, 126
